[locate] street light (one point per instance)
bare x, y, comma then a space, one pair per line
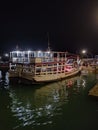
87, 53
84, 51
84, 55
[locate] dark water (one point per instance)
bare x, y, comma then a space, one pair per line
61, 105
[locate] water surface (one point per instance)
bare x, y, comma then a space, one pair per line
61, 105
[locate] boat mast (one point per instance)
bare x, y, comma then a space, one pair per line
17, 47
48, 42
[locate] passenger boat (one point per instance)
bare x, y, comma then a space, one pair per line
41, 66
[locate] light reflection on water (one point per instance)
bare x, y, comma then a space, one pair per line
4, 80
35, 106
39, 106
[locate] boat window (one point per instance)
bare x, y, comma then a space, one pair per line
39, 54
26, 55
14, 54
55, 54
47, 54
19, 54
32, 54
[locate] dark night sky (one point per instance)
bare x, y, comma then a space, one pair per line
72, 25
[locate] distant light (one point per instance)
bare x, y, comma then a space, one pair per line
17, 52
84, 51
48, 52
6, 55
39, 51
29, 51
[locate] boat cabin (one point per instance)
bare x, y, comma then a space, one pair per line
36, 56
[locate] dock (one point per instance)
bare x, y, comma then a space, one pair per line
94, 91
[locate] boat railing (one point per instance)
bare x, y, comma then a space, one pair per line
53, 68
47, 59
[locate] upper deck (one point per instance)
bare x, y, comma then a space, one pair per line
37, 56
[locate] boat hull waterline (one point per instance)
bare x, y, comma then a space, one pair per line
41, 78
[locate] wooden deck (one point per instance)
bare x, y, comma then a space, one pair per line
94, 91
